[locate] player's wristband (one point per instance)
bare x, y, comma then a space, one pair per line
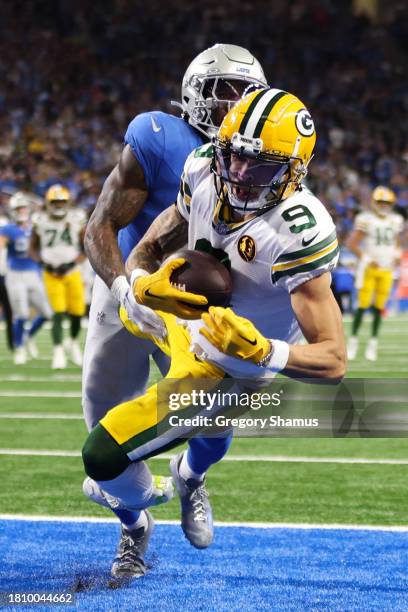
277, 359
119, 288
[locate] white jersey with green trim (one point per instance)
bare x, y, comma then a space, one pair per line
270, 255
380, 242
60, 239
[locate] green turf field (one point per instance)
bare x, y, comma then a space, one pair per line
268, 480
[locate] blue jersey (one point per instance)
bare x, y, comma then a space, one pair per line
161, 144
17, 247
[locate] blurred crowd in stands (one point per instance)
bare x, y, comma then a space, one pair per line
74, 72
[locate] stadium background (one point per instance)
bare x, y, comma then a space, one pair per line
72, 75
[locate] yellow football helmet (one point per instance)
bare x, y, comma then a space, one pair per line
57, 200
382, 200
263, 149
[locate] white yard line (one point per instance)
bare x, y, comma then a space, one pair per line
41, 415
323, 526
58, 394
242, 458
51, 378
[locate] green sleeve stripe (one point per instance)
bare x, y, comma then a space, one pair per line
187, 189
313, 265
205, 150
309, 250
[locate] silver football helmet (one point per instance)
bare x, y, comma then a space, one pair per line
214, 81
19, 205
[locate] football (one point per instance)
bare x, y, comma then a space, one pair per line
204, 274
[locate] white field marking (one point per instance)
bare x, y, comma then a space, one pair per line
42, 415
242, 458
323, 526
52, 378
6, 358
58, 394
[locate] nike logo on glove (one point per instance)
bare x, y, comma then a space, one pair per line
156, 297
306, 242
253, 342
156, 128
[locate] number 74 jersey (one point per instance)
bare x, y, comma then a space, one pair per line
60, 239
270, 255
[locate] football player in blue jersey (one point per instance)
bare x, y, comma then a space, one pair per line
23, 280
143, 183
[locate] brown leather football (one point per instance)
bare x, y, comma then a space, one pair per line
204, 274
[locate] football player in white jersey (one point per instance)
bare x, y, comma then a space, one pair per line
242, 197
376, 242
57, 241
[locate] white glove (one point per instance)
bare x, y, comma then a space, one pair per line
145, 318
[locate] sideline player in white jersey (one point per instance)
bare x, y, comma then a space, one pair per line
23, 279
244, 198
57, 241
376, 242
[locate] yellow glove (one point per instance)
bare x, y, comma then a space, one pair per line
234, 335
157, 292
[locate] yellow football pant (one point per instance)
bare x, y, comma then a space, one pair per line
66, 293
140, 425
377, 285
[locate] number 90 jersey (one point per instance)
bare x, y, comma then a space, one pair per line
270, 254
60, 239
380, 240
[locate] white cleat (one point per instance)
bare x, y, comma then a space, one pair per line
372, 350
20, 356
32, 348
76, 353
352, 348
59, 361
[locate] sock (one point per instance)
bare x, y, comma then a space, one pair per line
36, 324
138, 522
56, 331
358, 317
131, 519
186, 472
75, 326
18, 332
376, 322
204, 452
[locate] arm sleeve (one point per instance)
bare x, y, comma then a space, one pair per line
145, 136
